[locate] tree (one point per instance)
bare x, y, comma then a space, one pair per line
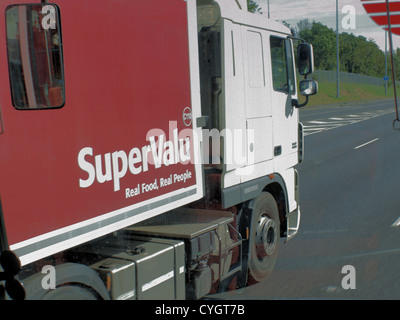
253, 7
323, 40
357, 54
303, 25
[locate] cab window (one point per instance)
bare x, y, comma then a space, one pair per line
282, 65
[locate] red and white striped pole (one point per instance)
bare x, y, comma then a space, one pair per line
391, 58
380, 12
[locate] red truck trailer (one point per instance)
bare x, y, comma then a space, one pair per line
147, 148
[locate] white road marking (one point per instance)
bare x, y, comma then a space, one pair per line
318, 122
365, 144
321, 125
396, 223
366, 254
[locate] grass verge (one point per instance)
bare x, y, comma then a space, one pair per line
348, 92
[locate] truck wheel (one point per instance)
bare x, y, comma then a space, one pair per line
70, 292
264, 237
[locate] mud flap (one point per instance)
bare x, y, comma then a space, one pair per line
293, 224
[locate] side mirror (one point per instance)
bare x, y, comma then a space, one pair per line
308, 87
305, 58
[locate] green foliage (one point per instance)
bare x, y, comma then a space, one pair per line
359, 55
323, 40
253, 7
348, 92
356, 53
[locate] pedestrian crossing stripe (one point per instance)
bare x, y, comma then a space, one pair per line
321, 125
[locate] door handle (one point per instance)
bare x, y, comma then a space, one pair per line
277, 151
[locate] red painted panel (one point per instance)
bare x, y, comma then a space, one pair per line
383, 20
126, 72
381, 7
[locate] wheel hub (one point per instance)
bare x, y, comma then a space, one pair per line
266, 237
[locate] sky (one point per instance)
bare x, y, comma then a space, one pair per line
324, 11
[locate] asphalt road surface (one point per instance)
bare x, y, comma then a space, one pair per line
348, 246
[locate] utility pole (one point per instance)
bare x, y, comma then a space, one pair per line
337, 49
386, 75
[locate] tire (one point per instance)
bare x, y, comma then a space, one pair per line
70, 292
264, 237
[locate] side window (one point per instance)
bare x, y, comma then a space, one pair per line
35, 56
255, 60
282, 65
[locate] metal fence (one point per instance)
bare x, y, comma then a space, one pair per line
330, 76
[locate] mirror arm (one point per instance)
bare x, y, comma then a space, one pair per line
297, 38
295, 103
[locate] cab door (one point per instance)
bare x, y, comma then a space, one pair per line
258, 109
285, 116
247, 113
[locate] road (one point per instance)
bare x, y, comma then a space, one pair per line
350, 204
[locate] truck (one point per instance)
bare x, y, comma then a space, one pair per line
147, 148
